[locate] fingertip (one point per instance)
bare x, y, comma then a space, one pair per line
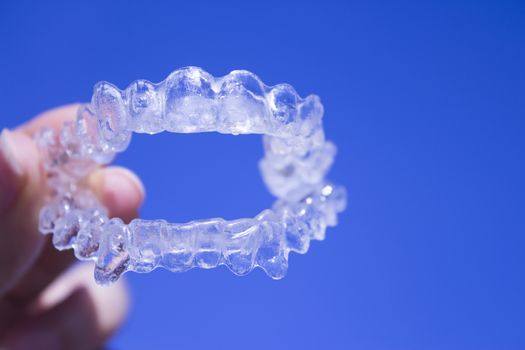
120, 190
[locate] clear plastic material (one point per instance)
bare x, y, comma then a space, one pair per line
297, 158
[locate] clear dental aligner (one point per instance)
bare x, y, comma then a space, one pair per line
297, 158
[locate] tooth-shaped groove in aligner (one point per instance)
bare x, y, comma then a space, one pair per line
191, 100
145, 107
297, 158
242, 240
239, 244
114, 122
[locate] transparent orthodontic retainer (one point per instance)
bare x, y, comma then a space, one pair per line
297, 158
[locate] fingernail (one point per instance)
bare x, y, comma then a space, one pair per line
11, 171
120, 178
122, 193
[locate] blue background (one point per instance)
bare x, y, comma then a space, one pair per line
425, 101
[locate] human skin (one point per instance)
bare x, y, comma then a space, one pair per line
47, 301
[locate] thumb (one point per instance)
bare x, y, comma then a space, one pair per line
22, 189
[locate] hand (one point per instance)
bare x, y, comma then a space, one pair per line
46, 301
